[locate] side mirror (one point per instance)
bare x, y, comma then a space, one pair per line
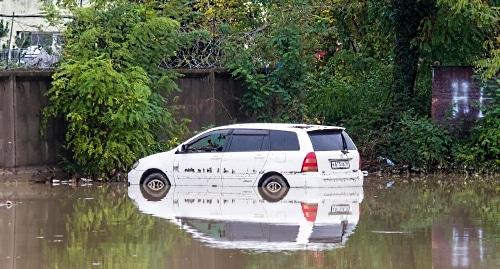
183, 148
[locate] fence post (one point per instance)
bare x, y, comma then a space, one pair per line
211, 84
7, 135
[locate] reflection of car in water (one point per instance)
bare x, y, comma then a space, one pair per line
240, 218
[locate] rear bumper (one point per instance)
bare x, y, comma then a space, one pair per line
315, 179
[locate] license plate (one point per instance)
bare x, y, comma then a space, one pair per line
340, 164
342, 209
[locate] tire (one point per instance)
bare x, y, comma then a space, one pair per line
155, 187
273, 188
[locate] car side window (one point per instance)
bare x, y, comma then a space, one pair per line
245, 140
242, 142
284, 141
211, 142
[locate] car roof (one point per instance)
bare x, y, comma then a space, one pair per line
281, 126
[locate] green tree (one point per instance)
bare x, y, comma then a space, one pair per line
408, 15
4, 30
272, 58
108, 86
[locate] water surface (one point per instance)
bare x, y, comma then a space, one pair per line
418, 224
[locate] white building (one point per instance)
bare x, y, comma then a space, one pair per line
27, 24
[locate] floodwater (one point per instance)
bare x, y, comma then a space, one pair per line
413, 223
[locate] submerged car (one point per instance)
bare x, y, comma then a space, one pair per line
268, 155
242, 218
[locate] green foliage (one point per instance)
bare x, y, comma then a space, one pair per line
108, 113
375, 66
23, 41
108, 86
481, 152
419, 143
360, 64
4, 30
335, 84
272, 64
454, 35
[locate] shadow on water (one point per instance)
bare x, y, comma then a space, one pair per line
415, 225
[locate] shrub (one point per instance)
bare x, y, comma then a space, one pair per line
481, 152
108, 86
418, 142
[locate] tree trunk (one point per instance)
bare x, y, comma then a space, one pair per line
407, 16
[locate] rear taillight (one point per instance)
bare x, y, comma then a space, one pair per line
310, 211
310, 163
360, 162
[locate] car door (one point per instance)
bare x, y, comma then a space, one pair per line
245, 156
199, 163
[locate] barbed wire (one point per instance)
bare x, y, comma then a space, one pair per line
200, 54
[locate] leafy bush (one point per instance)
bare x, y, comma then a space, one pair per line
108, 87
335, 96
481, 152
272, 64
418, 142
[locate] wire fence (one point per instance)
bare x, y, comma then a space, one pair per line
24, 40
27, 58
31, 47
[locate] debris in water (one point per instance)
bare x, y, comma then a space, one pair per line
7, 204
390, 232
386, 160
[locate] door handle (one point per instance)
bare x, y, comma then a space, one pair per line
259, 156
216, 157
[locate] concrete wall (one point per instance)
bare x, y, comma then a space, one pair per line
21, 100
207, 97
28, 17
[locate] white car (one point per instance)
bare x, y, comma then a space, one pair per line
243, 218
268, 155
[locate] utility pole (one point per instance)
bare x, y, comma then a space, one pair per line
10, 40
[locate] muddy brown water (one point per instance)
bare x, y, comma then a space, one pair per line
414, 224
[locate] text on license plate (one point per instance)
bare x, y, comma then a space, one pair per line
341, 209
339, 164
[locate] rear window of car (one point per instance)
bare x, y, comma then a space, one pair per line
246, 142
331, 140
283, 141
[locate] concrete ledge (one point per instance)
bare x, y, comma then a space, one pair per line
45, 72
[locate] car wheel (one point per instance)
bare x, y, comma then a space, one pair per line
155, 187
273, 188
